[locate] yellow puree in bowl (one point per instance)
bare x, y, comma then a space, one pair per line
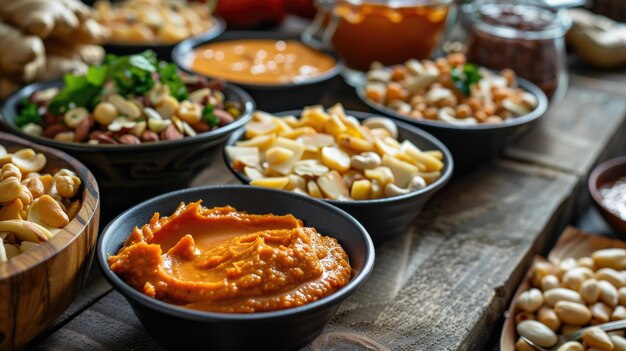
260, 61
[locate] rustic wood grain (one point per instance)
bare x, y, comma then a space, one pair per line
574, 134
439, 287
38, 285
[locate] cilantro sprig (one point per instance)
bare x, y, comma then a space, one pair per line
208, 115
465, 78
29, 113
132, 75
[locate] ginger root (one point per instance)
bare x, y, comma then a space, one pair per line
24, 55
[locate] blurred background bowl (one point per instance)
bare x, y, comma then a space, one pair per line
384, 218
181, 328
605, 174
163, 51
39, 284
475, 145
268, 97
128, 174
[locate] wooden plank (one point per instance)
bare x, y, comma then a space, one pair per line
441, 286
576, 133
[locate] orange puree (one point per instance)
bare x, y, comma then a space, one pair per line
221, 260
260, 61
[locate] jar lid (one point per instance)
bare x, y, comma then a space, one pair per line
527, 20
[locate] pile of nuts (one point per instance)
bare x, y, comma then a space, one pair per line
426, 90
136, 120
328, 154
571, 295
33, 206
153, 21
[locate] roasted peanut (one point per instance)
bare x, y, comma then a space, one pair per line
572, 312
608, 293
530, 300
571, 346
551, 297
612, 276
537, 333
610, 258
590, 291
548, 317
549, 282
596, 337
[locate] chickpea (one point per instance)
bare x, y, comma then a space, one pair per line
105, 113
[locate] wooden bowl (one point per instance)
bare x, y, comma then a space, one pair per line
572, 243
38, 285
606, 173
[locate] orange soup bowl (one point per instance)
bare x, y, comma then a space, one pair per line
37, 285
241, 58
188, 327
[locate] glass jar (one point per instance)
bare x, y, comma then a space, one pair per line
390, 32
526, 37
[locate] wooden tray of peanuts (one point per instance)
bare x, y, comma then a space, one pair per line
582, 283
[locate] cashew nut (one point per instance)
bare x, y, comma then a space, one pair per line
400, 107
28, 161
25, 230
125, 107
416, 183
158, 93
446, 114
9, 170
189, 112
517, 109
379, 75
199, 95
121, 122
381, 122
35, 186
433, 96
74, 116
167, 107
10, 189
365, 160
67, 186
47, 211
11, 210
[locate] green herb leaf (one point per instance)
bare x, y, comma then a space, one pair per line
132, 74
209, 116
79, 90
465, 79
29, 113
168, 73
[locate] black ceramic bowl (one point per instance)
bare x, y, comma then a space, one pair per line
385, 218
472, 146
128, 174
163, 51
179, 328
269, 97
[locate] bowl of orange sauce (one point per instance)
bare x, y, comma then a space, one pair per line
279, 71
235, 267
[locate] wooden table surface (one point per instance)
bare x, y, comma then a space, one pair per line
444, 284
